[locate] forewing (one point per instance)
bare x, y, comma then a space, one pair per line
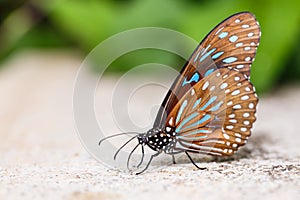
232, 44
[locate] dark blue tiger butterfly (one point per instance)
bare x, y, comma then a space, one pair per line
211, 106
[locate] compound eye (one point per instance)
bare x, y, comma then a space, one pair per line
141, 140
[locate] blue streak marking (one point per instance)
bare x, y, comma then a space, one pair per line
233, 38
186, 120
208, 72
209, 102
197, 103
193, 138
202, 120
194, 78
183, 105
239, 44
229, 60
223, 34
216, 107
194, 133
207, 54
197, 56
217, 55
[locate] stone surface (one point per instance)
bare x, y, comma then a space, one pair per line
42, 157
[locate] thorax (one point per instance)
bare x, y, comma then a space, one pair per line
159, 139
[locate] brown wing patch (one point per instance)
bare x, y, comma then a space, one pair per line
222, 120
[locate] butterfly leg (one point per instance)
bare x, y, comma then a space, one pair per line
151, 158
128, 159
173, 158
142, 159
188, 155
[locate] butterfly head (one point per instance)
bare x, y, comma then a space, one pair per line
142, 138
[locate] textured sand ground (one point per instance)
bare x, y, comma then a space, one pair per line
42, 158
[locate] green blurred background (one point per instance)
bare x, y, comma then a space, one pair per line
82, 24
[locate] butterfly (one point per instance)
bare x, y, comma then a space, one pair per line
210, 108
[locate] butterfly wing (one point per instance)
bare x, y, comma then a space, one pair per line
232, 44
216, 115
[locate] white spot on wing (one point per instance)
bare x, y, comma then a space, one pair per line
251, 105
237, 21
246, 115
206, 84
223, 86
238, 135
238, 140
246, 97
250, 34
237, 106
231, 116
239, 44
223, 35
171, 121
233, 120
235, 92
226, 136
246, 122
233, 38
225, 76
229, 127
192, 92
243, 129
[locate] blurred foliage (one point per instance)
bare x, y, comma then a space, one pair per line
7, 6
85, 23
